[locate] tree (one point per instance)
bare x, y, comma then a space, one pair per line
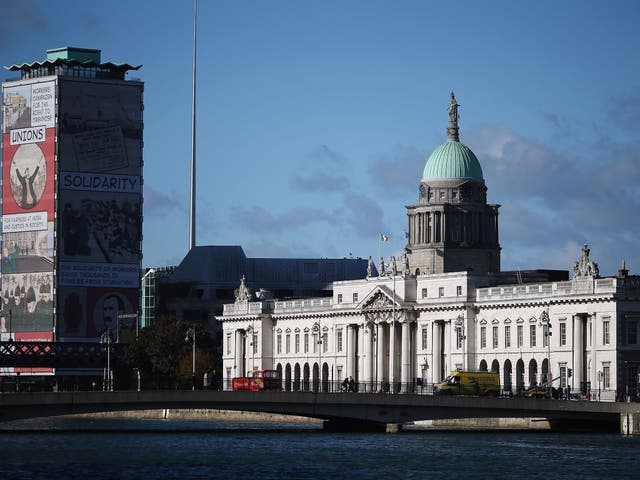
158, 350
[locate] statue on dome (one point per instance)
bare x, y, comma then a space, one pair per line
453, 109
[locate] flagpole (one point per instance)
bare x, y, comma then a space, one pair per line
379, 240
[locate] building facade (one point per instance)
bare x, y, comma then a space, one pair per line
447, 306
71, 200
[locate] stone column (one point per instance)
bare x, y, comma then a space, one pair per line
349, 350
392, 355
239, 354
368, 355
578, 353
405, 367
436, 371
595, 335
380, 376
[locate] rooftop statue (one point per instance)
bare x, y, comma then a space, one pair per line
242, 293
585, 267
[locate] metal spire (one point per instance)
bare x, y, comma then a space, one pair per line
192, 220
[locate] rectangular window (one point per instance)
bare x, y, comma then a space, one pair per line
424, 339
339, 342
228, 344
306, 343
563, 375
495, 337
339, 298
459, 337
458, 290
520, 336
545, 335
424, 293
297, 341
632, 331
441, 292
507, 336
355, 298
606, 376
316, 342
605, 332
279, 343
563, 333
532, 335
254, 343
483, 337
287, 343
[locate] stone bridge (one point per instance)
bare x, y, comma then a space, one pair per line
341, 411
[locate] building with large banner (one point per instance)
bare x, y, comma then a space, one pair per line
71, 199
446, 306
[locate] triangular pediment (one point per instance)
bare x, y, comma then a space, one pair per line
379, 298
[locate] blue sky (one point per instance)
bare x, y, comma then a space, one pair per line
315, 119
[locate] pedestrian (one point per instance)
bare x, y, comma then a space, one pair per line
352, 384
345, 384
588, 395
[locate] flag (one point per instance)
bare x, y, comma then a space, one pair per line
384, 238
406, 235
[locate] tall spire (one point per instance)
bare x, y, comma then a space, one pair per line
452, 129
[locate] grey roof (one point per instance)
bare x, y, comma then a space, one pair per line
224, 265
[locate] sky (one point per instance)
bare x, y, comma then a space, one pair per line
315, 119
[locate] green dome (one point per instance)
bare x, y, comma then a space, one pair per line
452, 159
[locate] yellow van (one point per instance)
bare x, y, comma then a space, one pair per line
470, 383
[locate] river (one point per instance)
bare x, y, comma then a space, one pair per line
111, 448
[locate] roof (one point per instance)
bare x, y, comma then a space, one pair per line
73, 56
222, 266
452, 160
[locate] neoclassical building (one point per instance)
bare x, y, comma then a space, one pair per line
446, 305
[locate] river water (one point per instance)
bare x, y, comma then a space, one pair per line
105, 448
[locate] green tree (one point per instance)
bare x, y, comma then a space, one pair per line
158, 350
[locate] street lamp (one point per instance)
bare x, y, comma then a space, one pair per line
192, 333
316, 327
462, 339
545, 322
107, 384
